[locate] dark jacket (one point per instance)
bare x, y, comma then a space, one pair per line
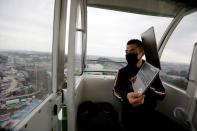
123, 85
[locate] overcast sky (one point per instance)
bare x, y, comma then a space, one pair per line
109, 31
28, 25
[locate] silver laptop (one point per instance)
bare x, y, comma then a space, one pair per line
150, 47
145, 76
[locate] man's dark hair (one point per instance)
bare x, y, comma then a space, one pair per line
136, 42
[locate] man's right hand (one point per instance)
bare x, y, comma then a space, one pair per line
135, 99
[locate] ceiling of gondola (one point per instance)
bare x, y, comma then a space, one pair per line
149, 7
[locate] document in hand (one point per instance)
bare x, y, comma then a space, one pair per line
145, 77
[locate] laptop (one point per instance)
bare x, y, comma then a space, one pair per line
145, 76
150, 47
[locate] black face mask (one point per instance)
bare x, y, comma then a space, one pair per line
132, 59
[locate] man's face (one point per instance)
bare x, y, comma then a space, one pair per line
134, 49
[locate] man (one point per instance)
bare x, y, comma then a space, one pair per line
136, 107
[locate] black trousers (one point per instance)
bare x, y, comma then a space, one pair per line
137, 120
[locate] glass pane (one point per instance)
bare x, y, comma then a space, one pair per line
26, 32
66, 64
109, 31
79, 22
78, 57
78, 42
176, 57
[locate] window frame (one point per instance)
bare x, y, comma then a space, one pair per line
167, 35
80, 29
53, 88
115, 70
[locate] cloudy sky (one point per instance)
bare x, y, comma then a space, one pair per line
28, 25
107, 28
109, 31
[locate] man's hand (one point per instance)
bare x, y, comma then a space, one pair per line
135, 99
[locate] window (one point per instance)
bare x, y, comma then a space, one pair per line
78, 43
26, 32
78, 57
108, 33
177, 54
